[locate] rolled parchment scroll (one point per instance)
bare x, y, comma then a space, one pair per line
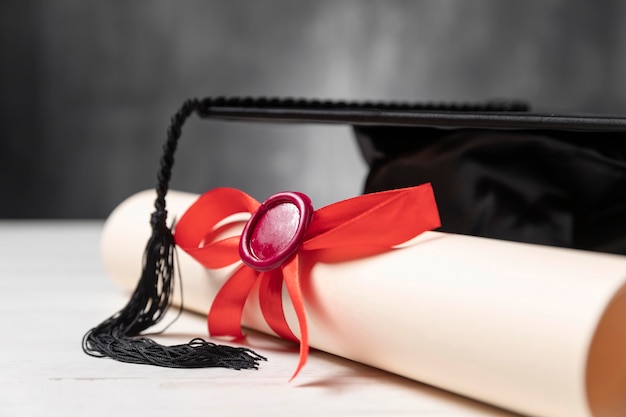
533, 329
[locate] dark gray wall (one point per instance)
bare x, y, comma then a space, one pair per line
87, 87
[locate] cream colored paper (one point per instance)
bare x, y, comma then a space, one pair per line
536, 330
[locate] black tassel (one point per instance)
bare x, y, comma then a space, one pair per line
117, 337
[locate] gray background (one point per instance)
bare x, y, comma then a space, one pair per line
88, 87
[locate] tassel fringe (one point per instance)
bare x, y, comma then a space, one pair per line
118, 336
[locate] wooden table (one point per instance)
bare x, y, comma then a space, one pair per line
53, 288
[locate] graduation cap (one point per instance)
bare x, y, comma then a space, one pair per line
498, 170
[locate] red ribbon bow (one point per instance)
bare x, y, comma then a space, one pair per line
362, 226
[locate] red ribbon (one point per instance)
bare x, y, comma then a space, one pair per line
359, 227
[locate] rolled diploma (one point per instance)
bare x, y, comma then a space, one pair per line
533, 329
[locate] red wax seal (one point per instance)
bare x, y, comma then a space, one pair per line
275, 230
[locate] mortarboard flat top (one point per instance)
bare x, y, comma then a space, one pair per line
487, 115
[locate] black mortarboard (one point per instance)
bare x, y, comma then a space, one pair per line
498, 170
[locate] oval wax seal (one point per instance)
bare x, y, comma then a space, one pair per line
275, 230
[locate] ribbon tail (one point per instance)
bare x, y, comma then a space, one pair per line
271, 302
227, 309
291, 274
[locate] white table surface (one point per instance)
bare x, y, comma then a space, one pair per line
53, 288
